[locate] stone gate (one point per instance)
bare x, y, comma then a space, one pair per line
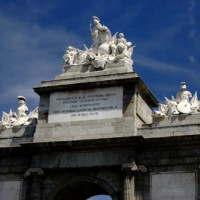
95, 133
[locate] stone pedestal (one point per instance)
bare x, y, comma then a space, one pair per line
123, 66
13, 137
93, 107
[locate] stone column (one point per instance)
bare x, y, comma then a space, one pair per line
130, 170
35, 178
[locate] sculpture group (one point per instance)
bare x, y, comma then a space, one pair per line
105, 50
20, 117
184, 103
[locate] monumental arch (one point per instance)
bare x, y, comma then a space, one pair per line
95, 133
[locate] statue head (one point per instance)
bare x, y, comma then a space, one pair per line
96, 20
70, 48
121, 35
183, 86
21, 100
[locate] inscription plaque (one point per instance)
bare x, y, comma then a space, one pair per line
79, 105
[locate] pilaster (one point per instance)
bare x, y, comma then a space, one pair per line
130, 171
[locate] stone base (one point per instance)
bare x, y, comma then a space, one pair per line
75, 71
173, 126
16, 136
176, 120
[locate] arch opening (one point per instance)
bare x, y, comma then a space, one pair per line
83, 191
100, 197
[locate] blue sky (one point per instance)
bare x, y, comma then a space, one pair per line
34, 35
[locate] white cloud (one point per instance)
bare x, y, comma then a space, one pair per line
190, 11
192, 59
146, 62
157, 65
191, 17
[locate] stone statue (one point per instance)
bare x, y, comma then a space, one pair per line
183, 95
105, 49
123, 47
122, 40
95, 32
195, 104
20, 117
22, 109
182, 98
179, 105
70, 56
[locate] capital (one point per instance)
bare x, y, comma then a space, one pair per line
133, 167
30, 171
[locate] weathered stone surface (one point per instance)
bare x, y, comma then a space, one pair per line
10, 190
100, 77
93, 129
16, 136
85, 159
143, 110
84, 71
170, 131
173, 186
176, 120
